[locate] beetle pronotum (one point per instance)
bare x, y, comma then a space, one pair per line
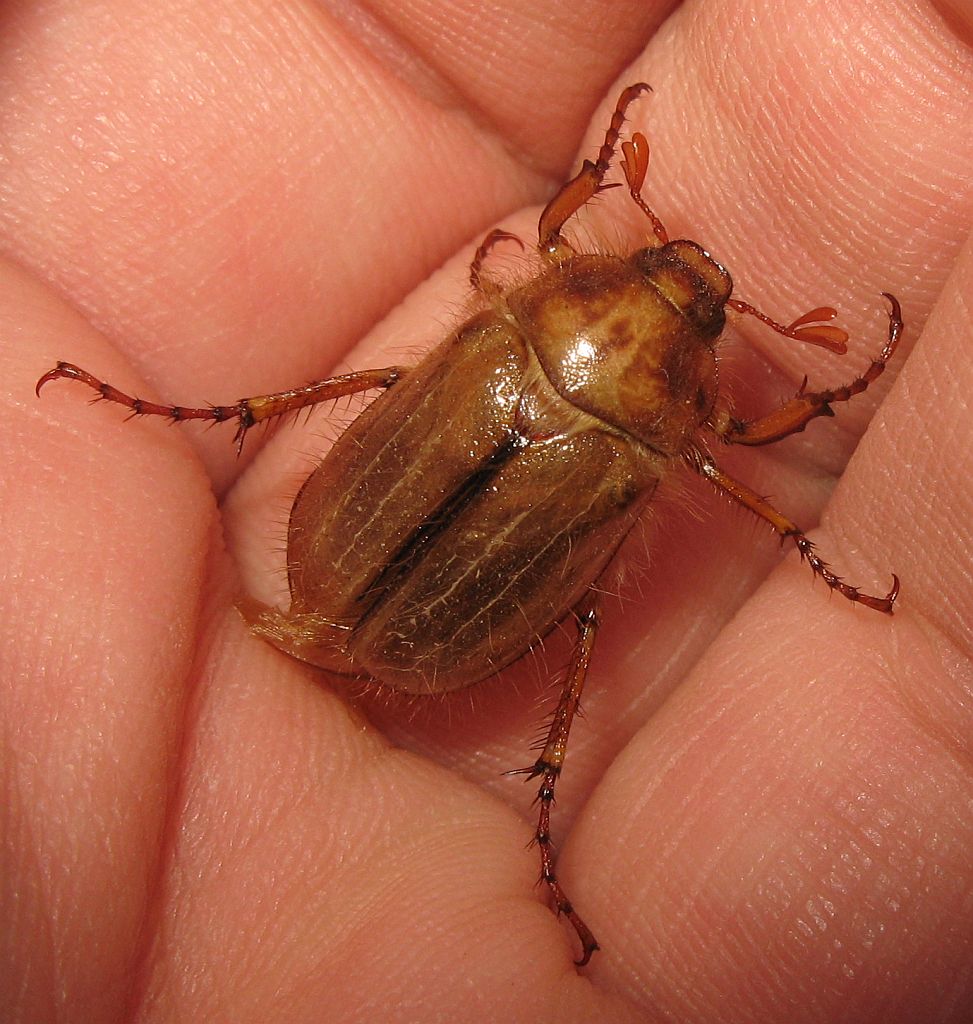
474, 503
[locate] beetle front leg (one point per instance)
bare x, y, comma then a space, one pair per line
572, 195
785, 528
548, 768
793, 416
247, 411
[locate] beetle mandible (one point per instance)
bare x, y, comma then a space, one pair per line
474, 504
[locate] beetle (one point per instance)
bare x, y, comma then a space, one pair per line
477, 500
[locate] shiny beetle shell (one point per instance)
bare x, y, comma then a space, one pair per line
470, 507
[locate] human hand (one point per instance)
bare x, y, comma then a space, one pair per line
771, 814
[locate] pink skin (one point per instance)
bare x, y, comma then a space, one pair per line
769, 821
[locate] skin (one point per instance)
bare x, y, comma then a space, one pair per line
767, 811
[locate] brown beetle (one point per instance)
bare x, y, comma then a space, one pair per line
473, 505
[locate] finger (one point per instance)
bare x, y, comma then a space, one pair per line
108, 538
792, 832
316, 866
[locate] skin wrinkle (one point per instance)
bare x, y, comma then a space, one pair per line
924, 718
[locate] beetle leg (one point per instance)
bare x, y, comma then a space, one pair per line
793, 416
247, 411
573, 194
548, 768
748, 498
476, 266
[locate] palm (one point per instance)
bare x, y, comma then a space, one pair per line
199, 828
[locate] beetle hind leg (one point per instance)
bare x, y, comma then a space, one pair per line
548, 766
247, 411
